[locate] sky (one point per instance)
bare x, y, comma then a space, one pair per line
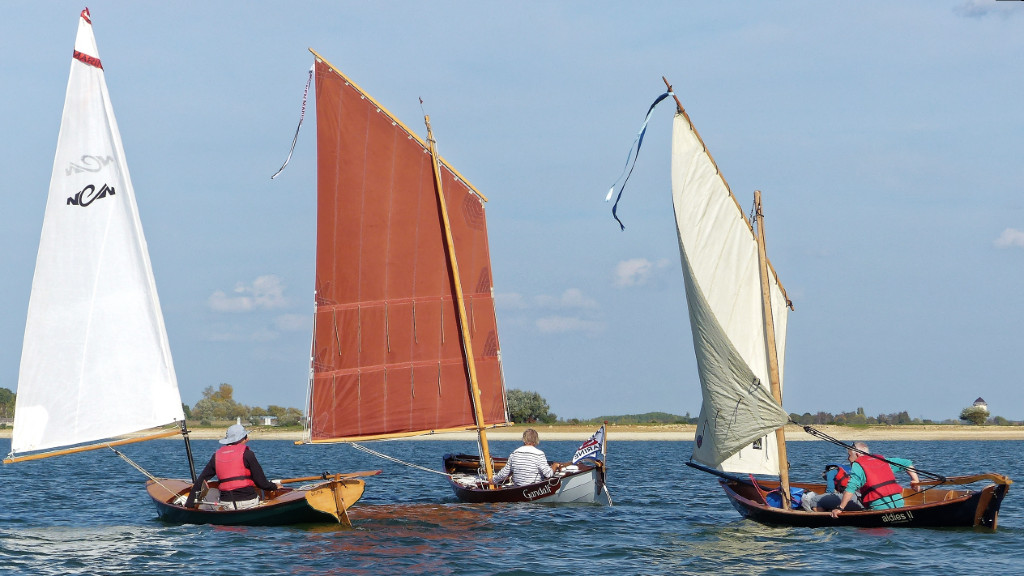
884, 136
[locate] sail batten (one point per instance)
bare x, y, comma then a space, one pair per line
96, 362
718, 252
386, 317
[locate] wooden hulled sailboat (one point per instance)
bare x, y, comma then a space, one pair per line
405, 340
96, 363
738, 317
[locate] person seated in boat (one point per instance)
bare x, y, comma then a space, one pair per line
836, 477
874, 476
238, 471
526, 464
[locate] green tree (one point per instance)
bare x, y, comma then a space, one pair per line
974, 414
528, 407
291, 417
7, 398
285, 416
219, 404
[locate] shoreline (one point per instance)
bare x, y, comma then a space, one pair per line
667, 432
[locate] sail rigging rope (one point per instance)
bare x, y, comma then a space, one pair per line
140, 469
372, 452
302, 115
818, 433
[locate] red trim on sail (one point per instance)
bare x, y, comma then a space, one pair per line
86, 16
89, 60
387, 353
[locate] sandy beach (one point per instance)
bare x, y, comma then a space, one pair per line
673, 432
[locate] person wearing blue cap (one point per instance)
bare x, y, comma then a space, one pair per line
238, 472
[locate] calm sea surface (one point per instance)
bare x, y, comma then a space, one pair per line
89, 514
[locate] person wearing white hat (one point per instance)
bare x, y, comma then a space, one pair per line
237, 470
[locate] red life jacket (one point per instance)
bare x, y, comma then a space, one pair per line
879, 480
841, 480
231, 470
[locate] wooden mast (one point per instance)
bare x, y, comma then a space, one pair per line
770, 349
467, 343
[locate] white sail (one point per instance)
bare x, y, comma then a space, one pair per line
718, 250
95, 361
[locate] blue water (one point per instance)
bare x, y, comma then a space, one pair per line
89, 514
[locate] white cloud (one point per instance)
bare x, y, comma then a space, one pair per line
510, 300
294, 322
1010, 238
983, 8
571, 298
562, 324
572, 301
636, 271
574, 298
264, 293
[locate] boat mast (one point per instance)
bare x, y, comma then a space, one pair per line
770, 349
467, 343
188, 451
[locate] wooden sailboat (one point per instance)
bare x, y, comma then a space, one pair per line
405, 340
96, 363
738, 317
321, 499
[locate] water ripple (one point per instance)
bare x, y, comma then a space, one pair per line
89, 514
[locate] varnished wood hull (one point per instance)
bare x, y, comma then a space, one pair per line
935, 508
325, 502
586, 485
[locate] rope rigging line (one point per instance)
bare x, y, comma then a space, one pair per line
140, 469
302, 116
818, 433
372, 452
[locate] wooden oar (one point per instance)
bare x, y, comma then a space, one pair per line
326, 476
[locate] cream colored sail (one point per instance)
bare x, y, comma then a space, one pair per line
95, 361
718, 249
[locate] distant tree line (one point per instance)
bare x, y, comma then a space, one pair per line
645, 418
218, 404
855, 418
973, 415
7, 398
528, 407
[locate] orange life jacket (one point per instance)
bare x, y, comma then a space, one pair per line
231, 470
879, 480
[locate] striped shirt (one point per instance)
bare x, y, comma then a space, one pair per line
527, 465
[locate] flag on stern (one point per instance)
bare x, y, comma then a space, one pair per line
593, 448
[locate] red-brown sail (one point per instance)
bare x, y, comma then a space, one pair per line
388, 358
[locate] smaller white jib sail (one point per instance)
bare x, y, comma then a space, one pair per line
718, 249
96, 362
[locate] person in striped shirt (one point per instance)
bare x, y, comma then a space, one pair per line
527, 464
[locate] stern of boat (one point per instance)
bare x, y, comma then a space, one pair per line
988, 508
335, 497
